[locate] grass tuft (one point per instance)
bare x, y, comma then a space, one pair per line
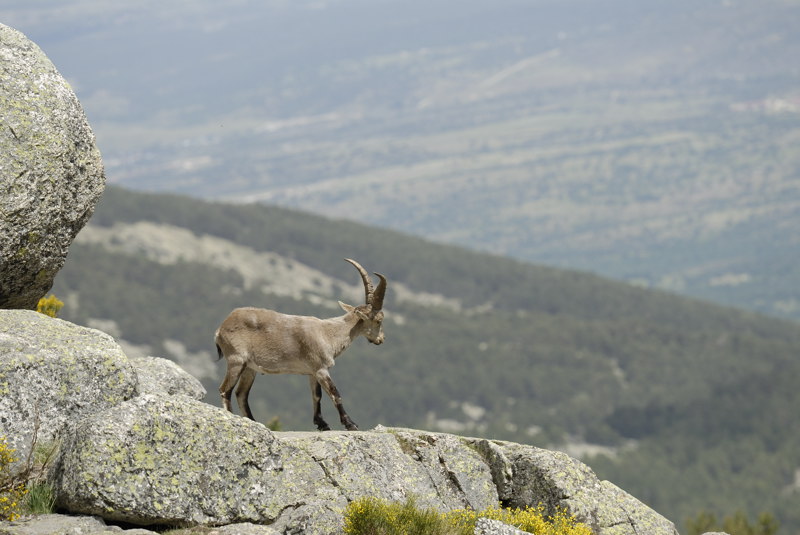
41, 499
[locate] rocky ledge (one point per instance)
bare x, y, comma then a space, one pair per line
135, 453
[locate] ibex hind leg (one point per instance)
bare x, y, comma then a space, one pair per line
316, 398
243, 391
230, 380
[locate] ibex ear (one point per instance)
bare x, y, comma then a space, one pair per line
346, 307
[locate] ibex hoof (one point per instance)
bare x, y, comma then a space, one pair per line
352, 427
323, 427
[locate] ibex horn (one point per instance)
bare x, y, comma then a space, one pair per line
368, 288
377, 297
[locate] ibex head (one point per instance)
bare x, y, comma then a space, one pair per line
370, 313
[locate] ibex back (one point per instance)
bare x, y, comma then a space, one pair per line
256, 340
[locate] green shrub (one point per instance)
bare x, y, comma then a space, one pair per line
275, 424
377, 517
736, 524
371, 516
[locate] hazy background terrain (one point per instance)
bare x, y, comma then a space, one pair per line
653, 142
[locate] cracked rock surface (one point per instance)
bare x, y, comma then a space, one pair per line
158, 460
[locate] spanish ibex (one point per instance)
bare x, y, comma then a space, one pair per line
255, 340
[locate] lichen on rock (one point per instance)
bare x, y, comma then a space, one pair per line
51, 172
175, 460
53, 372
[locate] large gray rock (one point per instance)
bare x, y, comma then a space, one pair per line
58, 524
177, 461
557, 481
244, 528
164, 377
65, 525
174, 460
53, 372
441, 471
51, 173
485, 526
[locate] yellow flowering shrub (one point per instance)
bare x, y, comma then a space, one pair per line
530, 519
49, 306
377, 517
12, 491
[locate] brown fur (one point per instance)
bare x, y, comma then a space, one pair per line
256, 340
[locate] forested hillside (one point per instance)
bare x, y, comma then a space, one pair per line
655, 142
693, 404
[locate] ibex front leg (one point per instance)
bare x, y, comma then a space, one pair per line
324, 379
316, 398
